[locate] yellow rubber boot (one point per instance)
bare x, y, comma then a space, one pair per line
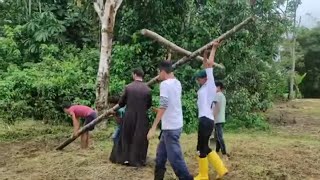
217, 164
203, 169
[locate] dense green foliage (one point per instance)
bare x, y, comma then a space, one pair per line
49, 53
307, 78
309, 40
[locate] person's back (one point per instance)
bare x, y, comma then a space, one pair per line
138, 97
81, 110
132, 146
172, 117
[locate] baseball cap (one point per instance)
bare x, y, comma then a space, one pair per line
201, 74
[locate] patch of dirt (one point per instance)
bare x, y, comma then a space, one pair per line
298, 116
282, 118
38, 160
253, 156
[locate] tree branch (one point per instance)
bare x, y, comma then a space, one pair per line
281, 11
98, 10
171, 45
285, 11
100, 3
118, 4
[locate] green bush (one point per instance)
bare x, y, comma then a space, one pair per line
38, 90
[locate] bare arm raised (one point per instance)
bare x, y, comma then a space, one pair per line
208, 65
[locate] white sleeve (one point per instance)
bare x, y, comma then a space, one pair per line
210, 80
164, 90
217, 98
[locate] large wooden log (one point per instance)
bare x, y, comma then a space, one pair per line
171, 45
180, 62
194, 54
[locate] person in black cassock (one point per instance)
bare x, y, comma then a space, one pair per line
131, 149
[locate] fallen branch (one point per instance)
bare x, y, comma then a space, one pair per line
171, 45
183, 60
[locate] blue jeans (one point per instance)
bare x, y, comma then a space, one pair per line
116, 134
169, 148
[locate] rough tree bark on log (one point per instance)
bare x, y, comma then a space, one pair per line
171, 45
107, 13
180, 62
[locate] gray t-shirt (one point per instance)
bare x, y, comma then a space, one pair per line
221, 99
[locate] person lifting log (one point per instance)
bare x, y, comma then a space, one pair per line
185, 59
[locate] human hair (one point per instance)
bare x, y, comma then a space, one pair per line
166, 66
219, 84
139, 72
66, 105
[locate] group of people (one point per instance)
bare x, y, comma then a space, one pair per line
132, 136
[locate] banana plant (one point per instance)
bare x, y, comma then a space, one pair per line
297, 81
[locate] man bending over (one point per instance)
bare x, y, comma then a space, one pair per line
77, 112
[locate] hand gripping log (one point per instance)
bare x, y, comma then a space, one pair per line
180, 62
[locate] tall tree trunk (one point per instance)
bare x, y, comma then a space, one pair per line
107, 14
292, 94
293, 67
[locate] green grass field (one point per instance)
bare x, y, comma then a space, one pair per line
289, 151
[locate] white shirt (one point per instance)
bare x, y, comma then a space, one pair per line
206, 96
172, 117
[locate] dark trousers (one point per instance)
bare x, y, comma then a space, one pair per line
205, 129
169, 148
92, 116
219, 138
116, 134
